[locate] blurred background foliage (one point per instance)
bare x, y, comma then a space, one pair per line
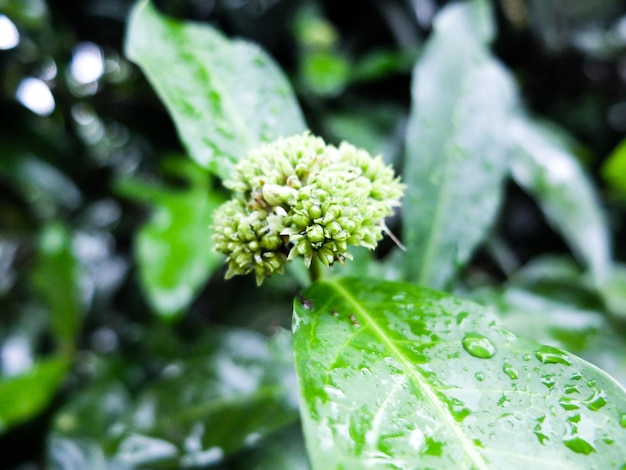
96, 194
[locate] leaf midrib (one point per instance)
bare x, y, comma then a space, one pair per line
431, 397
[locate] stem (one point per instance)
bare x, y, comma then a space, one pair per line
315, 272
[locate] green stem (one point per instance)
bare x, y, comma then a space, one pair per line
315, 271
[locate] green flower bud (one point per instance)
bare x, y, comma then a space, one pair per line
298, 196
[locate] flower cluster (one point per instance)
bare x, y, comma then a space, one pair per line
298, 196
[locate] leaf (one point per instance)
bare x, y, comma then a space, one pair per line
614, 168
543, 164
225, 96
27, 394
585, 332
56, 277
397, 376
456, 157
224, 392
613, 291
174, 250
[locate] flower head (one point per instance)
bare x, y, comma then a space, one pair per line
298, 196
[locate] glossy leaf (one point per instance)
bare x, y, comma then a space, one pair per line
57, 266
456, 144
586, 332
544, 165
225, 96
27, 394
397, 376
222, 393
174, 249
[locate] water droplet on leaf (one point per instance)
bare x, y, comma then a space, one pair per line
596, 401
510, 371
478, 345
552, 355
479, 376
579, 445
622, 420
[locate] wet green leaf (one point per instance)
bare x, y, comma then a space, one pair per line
614, 168
544, 165
174, 249
225, 96
456, 145
397, 376
55, 277
222, 393
27, 394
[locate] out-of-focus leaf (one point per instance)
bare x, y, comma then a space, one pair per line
614, 168
325, 73
174, 249
285, 450
397, 376
225, 392
224, 96
41, 184
456, 157
378, 133
544, 166
613, 291
381, 63
56, 277
25, 395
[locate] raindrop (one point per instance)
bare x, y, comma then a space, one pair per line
510, 371
622, 420
478, 346
552, 355
548, 380
579, 445
526, 357
365, 371
596, 401
569, 388
538, 430
479, 376
568, 403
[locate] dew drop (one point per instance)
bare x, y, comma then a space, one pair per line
510, 371
596, 401
538, 430
569, 388
568, 403
365, 371
479, 376
552, 355
526, 357
548, 380
622, 420
579, 445
478, 346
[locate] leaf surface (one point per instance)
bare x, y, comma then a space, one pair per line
174, 250
544, 165
397, 376
225, 96
456, 146
27, 394
221, 393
